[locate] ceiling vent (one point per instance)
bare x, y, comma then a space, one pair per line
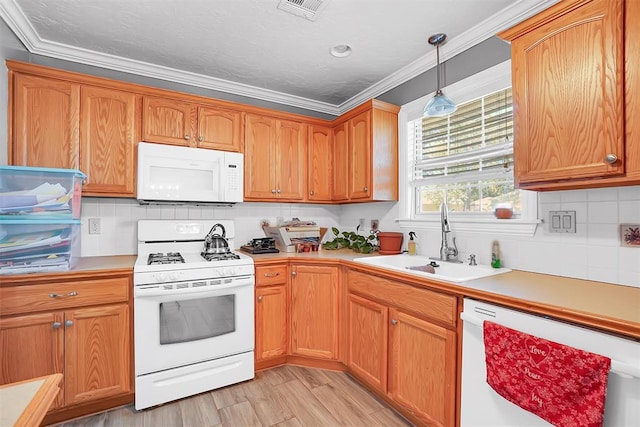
308, 9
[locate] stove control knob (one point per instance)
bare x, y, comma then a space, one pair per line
158, 277
231, 272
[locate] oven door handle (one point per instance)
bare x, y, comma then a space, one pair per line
159, 291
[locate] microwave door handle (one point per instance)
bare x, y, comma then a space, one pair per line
158, 291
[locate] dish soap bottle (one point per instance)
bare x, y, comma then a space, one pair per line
495, 254
411, 246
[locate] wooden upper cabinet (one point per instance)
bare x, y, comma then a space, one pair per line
341, 162
109, 132
360, 143
259, 174
632, 92
171, 121
220, 129
45, 122
167, 121
275, 159
320, 164
291, 158
568, 91
366, 153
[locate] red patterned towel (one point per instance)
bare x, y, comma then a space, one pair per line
562, 385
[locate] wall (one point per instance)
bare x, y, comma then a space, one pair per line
10, 47
593, 252
119, 217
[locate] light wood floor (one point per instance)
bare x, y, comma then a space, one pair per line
287, 396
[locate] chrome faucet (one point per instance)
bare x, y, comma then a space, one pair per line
447, 253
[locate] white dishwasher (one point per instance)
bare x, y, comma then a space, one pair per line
482, 406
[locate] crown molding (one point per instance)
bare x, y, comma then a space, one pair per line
20, 25
506, 18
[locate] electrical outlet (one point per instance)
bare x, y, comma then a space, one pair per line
361, 227
374, 224
94, 226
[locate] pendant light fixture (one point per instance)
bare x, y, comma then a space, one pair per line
440, 104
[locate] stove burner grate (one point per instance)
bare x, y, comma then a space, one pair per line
219, 257
169, 258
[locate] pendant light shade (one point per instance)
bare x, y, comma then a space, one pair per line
440, 104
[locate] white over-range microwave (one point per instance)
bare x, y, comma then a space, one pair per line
174, 174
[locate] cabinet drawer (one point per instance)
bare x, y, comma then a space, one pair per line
427, 303
41, 297
271, 275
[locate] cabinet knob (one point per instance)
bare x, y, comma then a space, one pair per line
260, 298
68, 323
201, 138
394, 322
56, 325
365, 189
278, 191
187, 137
271, 274
611, 158
273, 191
294, 273
311, 193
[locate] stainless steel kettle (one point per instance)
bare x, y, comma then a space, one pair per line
215, 243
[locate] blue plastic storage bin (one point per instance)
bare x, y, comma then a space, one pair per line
40, 193
38, 246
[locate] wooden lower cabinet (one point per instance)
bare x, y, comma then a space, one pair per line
422, 367
402, 343
44, 330
271, 315
97, 355
30, 347
272, 322
368, 341
315, 311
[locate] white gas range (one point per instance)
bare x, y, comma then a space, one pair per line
193, 317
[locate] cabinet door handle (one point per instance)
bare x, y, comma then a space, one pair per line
260, 298
187, 137
56, 325
611, 158
70, 294
201, 138
68, 323
394, 322
271, 274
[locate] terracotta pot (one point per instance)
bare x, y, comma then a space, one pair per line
390, 243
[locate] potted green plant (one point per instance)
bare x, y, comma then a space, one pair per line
353, 240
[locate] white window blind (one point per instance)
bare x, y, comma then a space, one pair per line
465, 158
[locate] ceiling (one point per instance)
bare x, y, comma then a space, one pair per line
253, 48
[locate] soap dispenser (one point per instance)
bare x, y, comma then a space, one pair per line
411, 246
495, 254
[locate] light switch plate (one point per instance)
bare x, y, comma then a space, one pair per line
562, 221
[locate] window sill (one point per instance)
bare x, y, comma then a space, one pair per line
514, 227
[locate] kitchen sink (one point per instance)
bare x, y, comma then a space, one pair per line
417, 265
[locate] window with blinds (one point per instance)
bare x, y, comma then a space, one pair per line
466, 158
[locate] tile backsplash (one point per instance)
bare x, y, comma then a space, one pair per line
594, 252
